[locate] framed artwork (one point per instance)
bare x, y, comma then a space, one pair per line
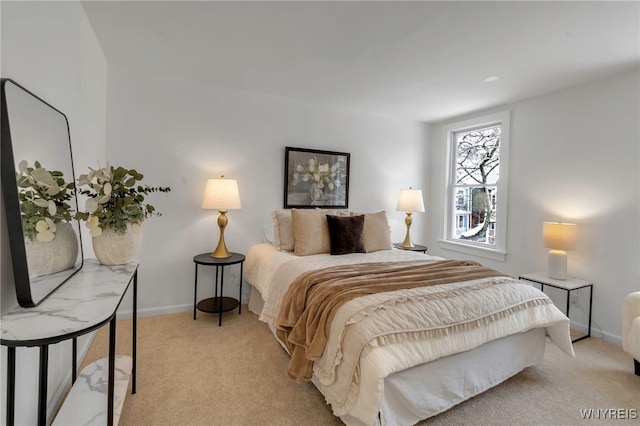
314, 178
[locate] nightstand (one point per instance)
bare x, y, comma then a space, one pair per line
218, 303
416, 247
568, 285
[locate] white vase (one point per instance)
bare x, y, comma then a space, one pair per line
49, 257
112, 248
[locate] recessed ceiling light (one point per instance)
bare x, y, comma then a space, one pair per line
491, 79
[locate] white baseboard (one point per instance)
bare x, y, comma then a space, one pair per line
152, 312
596, 332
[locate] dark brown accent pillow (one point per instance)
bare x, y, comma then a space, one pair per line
345, 233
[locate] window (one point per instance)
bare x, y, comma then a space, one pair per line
476, 182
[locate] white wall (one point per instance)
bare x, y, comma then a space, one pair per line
179, 133
50, 49
574, 157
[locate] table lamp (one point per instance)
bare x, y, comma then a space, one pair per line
410, 201
221, 194
558, 237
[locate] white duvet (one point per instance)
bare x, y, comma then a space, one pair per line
432, 326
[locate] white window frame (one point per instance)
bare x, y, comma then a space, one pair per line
499, 250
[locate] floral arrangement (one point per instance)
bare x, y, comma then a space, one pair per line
114, 200
44, 200
317, 174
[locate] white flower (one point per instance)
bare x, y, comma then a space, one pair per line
45, 229
52, 226
41, 226
45, 236
319, 174
93, 222
94, 226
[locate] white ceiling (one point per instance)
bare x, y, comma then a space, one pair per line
418, 60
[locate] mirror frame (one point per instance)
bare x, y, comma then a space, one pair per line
11, 202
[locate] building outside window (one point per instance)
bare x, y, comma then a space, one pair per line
476, 209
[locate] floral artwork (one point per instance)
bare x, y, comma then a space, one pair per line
316, 178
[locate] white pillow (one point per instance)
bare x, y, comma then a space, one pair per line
377, 233
283, 238
311, 230
282, 229
268, 235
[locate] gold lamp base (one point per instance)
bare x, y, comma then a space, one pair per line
407, 238
221, 251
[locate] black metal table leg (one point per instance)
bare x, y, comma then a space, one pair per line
221, 293
215, 291
135, 332
240, 294
112, 369
11, 384
42, 385
74, 360
195, 293
590, 306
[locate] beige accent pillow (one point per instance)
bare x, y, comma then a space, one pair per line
311, 231
376, 233
283, 229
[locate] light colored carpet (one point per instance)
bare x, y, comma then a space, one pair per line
196, 373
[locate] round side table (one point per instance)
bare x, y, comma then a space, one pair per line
416, 247
218, 303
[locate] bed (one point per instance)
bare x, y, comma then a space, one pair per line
440, 331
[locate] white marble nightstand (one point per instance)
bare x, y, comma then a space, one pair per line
568, 285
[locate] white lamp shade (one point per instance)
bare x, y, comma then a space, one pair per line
221, 194
559, 236
410, 200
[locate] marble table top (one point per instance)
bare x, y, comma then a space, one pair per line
86, 301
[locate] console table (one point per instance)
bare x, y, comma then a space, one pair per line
84, 303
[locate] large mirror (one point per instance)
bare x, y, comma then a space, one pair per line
39, 194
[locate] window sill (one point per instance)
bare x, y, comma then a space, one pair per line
488, 253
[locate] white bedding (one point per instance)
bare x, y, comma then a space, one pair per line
358, 337
262, 269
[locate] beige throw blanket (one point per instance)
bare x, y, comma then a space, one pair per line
312, 300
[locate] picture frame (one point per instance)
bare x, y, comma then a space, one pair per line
316, 178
